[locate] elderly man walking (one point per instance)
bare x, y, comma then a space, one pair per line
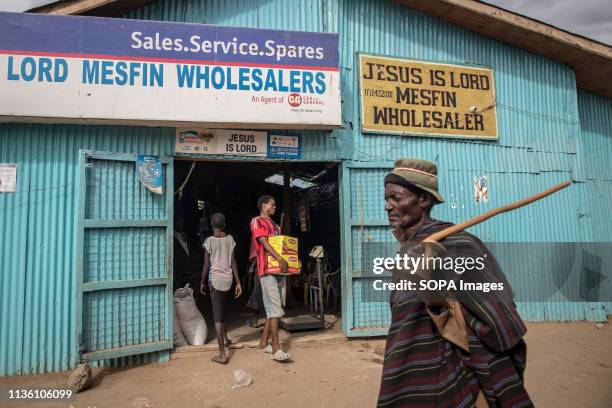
446, 349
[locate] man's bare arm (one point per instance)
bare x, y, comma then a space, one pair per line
264, 241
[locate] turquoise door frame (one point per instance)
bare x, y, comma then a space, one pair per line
123, 262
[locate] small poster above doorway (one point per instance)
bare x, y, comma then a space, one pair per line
221, 141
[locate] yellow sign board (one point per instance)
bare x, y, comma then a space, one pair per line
401, 96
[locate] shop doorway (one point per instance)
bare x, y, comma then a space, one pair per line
307, 199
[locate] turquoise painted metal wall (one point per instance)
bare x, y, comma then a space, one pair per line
37, 227
538, 134
595, 151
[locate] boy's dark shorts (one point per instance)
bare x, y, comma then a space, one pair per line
218, 300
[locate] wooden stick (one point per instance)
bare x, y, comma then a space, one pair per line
440, 235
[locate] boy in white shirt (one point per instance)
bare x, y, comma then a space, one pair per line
220, 260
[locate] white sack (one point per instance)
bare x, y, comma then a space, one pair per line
190, 319
179, 339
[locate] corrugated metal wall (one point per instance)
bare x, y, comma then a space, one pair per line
596, 152
37, 226
538, 133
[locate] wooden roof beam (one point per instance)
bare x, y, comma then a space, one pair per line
72, 6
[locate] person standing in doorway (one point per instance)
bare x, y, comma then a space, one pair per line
219, 259
272, 286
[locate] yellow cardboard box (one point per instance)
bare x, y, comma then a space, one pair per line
287, 247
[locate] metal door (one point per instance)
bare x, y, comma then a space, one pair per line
123, 259
365, 312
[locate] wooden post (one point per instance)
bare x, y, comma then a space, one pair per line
286, 201
286, 230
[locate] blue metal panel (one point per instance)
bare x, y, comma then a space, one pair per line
109, 254
123, 317
365, 311
596, 148
371, 307
595, 152
102, 202
37, 237
368, 225
13, 233
123, 297
299, 15
537, 147
345, 247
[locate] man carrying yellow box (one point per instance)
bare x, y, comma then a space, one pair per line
263, 229
287, 248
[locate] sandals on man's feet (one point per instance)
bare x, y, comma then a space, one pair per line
267, 349
281, 356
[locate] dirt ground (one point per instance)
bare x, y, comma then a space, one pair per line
569, 365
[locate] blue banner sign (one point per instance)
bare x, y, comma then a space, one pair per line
133, 70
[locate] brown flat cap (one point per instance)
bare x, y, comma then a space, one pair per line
417, 173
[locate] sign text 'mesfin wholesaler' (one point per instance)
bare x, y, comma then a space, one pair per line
158, 72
